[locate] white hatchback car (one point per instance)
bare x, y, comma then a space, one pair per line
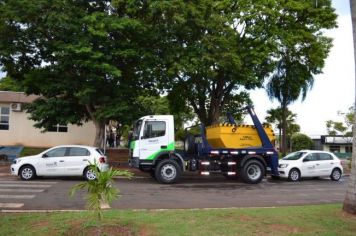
67, 160
310, 163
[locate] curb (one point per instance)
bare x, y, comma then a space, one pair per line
137, 210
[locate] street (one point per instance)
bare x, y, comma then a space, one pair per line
193, 191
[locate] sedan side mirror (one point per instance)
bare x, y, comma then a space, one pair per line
45, 155
306, 160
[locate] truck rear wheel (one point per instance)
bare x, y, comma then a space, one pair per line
253, 172
167, 172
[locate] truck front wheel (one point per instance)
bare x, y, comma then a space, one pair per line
252, 172
167, 172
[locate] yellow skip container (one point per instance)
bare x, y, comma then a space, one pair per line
236, 136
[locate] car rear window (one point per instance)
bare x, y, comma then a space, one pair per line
76, 151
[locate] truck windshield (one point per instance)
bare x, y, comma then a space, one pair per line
294, 156
137, 129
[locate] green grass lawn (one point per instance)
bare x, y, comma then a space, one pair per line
303, 220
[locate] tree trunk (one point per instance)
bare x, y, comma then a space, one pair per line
350, 198
284, 129
99, 134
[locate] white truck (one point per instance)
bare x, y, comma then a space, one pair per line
251, 154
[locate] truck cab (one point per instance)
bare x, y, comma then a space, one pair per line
153, 141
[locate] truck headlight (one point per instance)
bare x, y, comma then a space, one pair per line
283, 165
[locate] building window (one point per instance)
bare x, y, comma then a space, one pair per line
58, 128
4, 118
348, 149
334, 149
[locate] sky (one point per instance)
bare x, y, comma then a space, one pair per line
333, 91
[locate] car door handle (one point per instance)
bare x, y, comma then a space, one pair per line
85, 159
317, 164
61, 161
332, 163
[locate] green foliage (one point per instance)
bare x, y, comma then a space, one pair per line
8, 84
87, 59
29, 151
275, 117
301, 52
217, 49
342, 128
91, 60
301, 141
101, 190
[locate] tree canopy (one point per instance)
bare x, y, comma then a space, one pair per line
90, 60
301, 141
86, 58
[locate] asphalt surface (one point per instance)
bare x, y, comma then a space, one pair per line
193, 191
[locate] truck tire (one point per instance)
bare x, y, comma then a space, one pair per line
189, 145
167, 172
252, 172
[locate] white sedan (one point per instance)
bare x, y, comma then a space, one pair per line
310, 163
68, 160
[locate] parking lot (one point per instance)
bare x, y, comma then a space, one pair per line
193, 191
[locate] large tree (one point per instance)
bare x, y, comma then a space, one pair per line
301, 53
216, 49
90, 59
350, 198
87, 59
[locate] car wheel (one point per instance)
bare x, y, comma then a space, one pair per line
253, 172
335, 174
294, 175
27, 173
89, 174
167, 172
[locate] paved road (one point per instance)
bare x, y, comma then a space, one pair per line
192, 192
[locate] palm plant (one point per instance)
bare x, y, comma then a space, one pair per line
274, 116
101, 191
290, 81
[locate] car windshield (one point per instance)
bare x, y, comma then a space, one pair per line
294, 156
137, 129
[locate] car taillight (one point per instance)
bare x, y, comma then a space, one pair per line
101, 159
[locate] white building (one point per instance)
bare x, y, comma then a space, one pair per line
17, 129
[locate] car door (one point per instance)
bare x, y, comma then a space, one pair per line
52, 162
77, 158
327, 164
154, 138
309, 166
